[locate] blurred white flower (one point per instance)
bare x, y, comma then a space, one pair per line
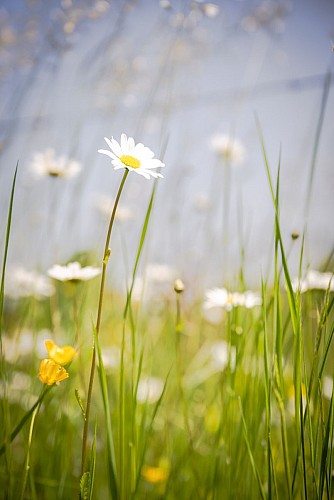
159, 280
73, 272
220, 297
18, 346
46, 164
17, 390
222, 354
105, 205
314, 280
149, 389
160, 273
229, 148
111, 357
135, 157
202, 203
23, 283
210, 9
165, 4
327, 387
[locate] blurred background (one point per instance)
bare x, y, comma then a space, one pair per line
189, 79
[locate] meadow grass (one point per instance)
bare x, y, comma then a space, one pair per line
255, 422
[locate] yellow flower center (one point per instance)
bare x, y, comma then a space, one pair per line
130, 161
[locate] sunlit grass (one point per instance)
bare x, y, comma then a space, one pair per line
190, 403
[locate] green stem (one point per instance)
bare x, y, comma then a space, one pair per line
23, 420
178, 332
98, 321
31, 430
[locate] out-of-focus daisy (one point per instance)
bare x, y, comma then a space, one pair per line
111, 357
149, 389
229, 148
327, 387
60, 355
220, 297
222, 354
105, 204
46, 164
17, 389
314, 280
51, 373
160, 273
23, 283
135, 157
202, 203
73, 272
210, 9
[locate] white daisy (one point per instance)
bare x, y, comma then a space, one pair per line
229, 148
73, 272
222, 354
220, 297
149, 389
23, 283
327, 387
210, 9
314, 280
44, 164
135, 157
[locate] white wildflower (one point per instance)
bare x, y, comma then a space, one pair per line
223, 354
229, 148
327, 387
46, 164
210, 9
220, 297
22, 283
135, 157
73, 272
314, 280
149, 389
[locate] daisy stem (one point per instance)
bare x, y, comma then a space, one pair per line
98, 321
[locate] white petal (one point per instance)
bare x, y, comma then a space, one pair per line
124, 144
154, 163
143, 151
114, 146
141, 172
131, 144
108, 153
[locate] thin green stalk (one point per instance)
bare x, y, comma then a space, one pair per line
128, 313
3, 367
98, 321
23, 420
31, 430
267, 386
178, 333
284, 440
255, 470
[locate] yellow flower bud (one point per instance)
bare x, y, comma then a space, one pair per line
51, 373
60, 355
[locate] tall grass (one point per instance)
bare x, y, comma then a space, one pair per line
256, 424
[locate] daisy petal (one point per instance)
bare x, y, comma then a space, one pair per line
107, 153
